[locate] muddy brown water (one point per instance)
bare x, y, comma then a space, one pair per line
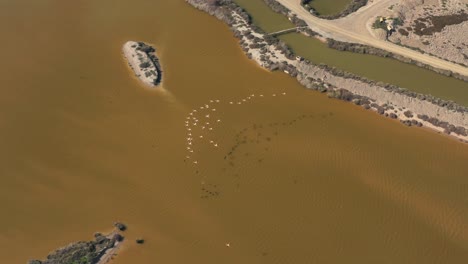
296, 178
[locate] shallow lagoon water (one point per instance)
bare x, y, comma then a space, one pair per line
316, 180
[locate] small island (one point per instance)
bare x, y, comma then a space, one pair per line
142, 59
99, 251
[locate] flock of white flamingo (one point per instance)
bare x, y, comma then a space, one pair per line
203, 119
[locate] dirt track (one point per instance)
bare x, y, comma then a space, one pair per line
353, 28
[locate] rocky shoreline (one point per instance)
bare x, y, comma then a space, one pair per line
142, 60
99, 251
388, 100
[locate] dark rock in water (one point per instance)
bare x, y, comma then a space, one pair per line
120, 226
118, 237
140, 241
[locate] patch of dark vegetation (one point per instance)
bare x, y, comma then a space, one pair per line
351, 8
357, 48
411, 122
150, 52
448, 128
408, 114
403, 32
433, 24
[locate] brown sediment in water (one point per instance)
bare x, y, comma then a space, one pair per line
82, 143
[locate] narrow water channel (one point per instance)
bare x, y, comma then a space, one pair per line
329, 7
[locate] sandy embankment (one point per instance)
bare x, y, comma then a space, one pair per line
136, 58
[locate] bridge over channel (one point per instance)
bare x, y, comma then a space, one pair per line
284, 31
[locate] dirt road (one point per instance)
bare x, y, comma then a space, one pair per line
354, 29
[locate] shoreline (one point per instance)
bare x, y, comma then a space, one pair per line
410, 108
100, 251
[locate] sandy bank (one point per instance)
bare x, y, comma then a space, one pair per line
142, 60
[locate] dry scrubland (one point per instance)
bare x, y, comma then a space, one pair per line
438, 27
